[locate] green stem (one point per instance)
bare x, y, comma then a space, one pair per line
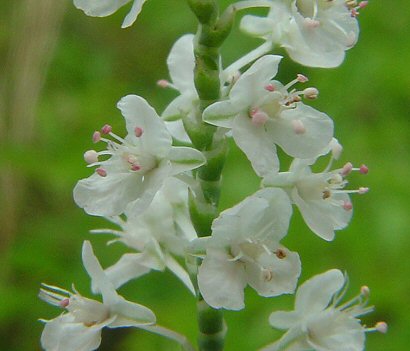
212, 31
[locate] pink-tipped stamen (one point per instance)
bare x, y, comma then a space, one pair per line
363, 190
347, 206
298, 127
106, 129
91, 156
363, 169
64, 303
270, 87
301, 78
346, 169
365, 291
163, 83
96, 136
381, 327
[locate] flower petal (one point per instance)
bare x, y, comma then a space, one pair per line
256, 144
97, 275
133, 14
221, 282
174, 266
318, 131
184, 159
155, 139
99, 8
257, 26
221, 114
107, 196
63, 334
283, 319
315, 294
181, 63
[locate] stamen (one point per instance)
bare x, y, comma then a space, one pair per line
106, 129
267, 275
311, 23
135, 168
96, 137
91, 156
298, 126
64, 303
163, 83
347, 205
381, 327
101, 172
138, 131
346, 169
310, 93
270, 87
363, 169
259, 118
363, 190
363, 4
301, 78
280, 253
365, 291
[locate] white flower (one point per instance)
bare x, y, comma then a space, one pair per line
161, 232
181, 64
262, 113
320, 197
79, 329
244, 249
314, 32
318, 321
138, 164
103, 8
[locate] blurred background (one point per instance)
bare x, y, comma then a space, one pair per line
62, 74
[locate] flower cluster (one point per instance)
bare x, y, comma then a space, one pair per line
163, 198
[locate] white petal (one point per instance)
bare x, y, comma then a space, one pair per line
174, 266
63, 334
179, 107
133, 14
251, 85
97, 275
221, 282
130, 314
315, 294
221, 113
129, 266
257, 26
318, 134
335, 330
323, 217
181, 63
184, 159
155, 139
284, 274
238, 223
177, 130
152, 182
99, 8
107, 196
257, 145
283, 319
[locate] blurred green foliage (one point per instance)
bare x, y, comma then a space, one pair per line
96, 63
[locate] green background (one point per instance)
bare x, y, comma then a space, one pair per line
95, 63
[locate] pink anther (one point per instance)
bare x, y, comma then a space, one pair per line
135, 168
259, 118
298, 126
301, 78
363, 4
347, 206
346, 169
96, 136
106, 129
163, 83
64, 303
363, 190
363, 169
270, 87
101, 172
138, 131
